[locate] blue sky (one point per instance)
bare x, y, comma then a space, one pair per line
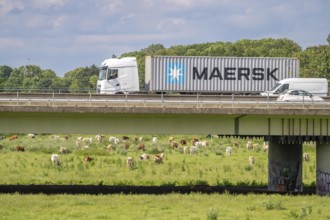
65, 34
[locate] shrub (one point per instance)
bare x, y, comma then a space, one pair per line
201, 183
169, 183
248, 168
271, 205
212, 214
226, 182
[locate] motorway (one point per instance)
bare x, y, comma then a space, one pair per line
149, 100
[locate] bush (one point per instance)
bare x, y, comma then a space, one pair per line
212, 214
271, 205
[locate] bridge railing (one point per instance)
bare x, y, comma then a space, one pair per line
150, 100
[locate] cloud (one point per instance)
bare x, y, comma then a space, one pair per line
112, 7
74, 33
249, 18
170, 24
7, 6
43, 4
120, 39
11, 43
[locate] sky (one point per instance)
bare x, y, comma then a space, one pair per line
62, 35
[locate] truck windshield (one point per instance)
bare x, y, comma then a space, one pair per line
103, 74
108, 74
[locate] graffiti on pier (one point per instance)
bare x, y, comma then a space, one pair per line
323, 181
284, 178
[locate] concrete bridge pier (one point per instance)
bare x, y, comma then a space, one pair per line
322, 168
284, 165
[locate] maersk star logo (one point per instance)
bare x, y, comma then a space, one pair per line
175, 73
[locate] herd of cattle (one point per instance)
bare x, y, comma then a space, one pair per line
192, 146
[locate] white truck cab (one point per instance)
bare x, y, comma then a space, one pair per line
316, 86
118, 76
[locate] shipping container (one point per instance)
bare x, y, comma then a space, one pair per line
226, 75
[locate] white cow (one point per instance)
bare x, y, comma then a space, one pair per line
228, 151
87, 140
99, 138
144, 156
306, 156
203, 144
130, 162
31, 135
155, 140
112, 139
194, 150
249, 145
185, 149
55, 159
251, 160
266, 146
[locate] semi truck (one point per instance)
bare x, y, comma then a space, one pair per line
196, 74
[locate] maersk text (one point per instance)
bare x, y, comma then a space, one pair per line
233, 73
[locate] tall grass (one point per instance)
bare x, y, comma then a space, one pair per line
171, 206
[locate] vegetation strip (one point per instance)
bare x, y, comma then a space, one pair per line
92, 189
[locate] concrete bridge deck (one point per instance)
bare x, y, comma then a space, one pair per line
285, 126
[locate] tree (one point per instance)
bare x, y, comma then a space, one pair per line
266, 47
315, 62
31, 76
14, 81
81, 79
46, 79
5, 72
217, 49
153, 49
60, 85
93, 80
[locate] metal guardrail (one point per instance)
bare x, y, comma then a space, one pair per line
149, 100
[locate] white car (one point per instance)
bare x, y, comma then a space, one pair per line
298, 96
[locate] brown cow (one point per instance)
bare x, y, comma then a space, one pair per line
141, 147
20, 148
159, 158
14, 137
88, 159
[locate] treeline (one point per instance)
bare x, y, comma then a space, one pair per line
32, 78
314, 62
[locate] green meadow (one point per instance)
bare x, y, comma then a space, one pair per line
109, 167
209, 166
171, 206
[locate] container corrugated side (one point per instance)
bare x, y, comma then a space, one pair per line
218, 74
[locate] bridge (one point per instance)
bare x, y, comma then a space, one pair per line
284, 125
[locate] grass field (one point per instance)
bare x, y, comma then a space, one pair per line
210, 166
173, 206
